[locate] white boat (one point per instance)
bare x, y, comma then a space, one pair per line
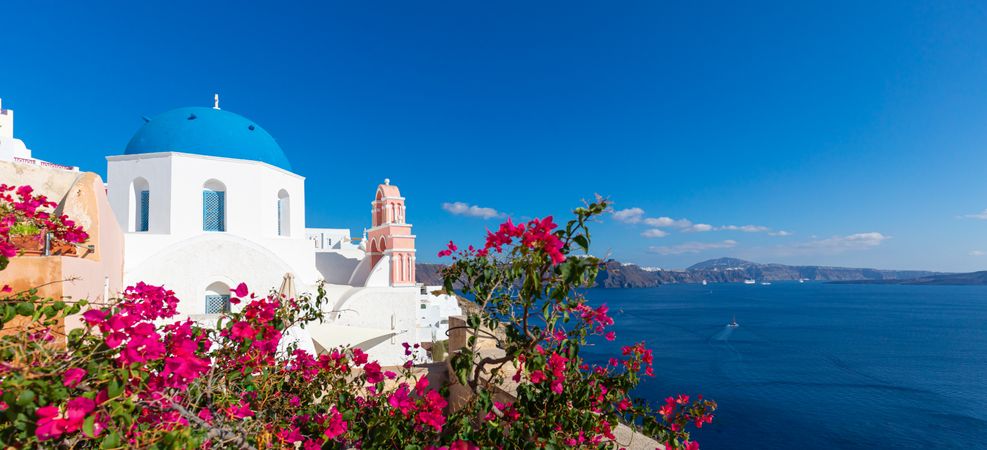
751, 281
704, 282
733, 323
765, 283
802, 280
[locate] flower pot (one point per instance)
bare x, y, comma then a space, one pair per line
28, 244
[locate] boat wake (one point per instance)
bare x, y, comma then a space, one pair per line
722, 339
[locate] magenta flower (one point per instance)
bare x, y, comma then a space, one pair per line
537, 376
73, 376
94, 316
401, 401
336, 426
374, 375
239, 411
50, 423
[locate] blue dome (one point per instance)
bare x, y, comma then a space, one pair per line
207, 131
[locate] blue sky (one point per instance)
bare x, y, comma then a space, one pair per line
858, 129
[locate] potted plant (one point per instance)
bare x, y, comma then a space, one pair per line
27, 238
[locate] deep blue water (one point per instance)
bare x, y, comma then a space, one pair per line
816, 366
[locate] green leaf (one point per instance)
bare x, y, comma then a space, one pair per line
111, 440
25, 309
581, 241
8, 313
25, 398
114, 389
88, 425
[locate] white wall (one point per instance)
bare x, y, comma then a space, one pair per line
326, 239
175, 183
10, 147
374, 308
190, 266
437, 308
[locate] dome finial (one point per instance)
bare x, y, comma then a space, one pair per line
387, 181
215, 101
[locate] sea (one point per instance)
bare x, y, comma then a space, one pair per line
815, 365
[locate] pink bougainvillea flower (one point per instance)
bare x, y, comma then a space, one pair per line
401, 401
94, 316
239, 411
537, 376
420, 386
73, 376
243, 330
76, 411
241, 290
359, 357
624, 404
374, 375
50, 423
705, 418
336, 425
463, 445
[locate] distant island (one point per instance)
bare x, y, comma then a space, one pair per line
946, 279
726, 270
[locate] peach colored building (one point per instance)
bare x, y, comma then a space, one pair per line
95, 271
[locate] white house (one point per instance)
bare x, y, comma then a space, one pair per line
208, 199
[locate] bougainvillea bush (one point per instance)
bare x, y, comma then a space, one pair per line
137, 376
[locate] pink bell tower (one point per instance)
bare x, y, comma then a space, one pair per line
390, 239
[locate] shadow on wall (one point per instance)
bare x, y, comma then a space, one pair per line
334, 267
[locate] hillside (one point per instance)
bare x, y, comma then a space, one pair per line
952, 279
720, 270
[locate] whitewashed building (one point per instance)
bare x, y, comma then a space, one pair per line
208, 199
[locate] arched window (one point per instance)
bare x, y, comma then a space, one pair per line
213, 206
141, 199
399, 266
284, 213
217, 298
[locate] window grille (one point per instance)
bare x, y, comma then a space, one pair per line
145, 208
213, 210
217, 304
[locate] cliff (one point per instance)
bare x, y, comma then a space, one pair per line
721, 270
952, 279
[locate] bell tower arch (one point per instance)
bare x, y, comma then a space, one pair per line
390, 238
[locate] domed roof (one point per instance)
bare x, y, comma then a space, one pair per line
207, 131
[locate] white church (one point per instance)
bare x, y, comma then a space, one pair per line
207, 199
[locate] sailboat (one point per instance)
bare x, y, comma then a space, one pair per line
733, 323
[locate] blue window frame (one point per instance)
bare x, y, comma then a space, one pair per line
213, 210
217, 304
145, 210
